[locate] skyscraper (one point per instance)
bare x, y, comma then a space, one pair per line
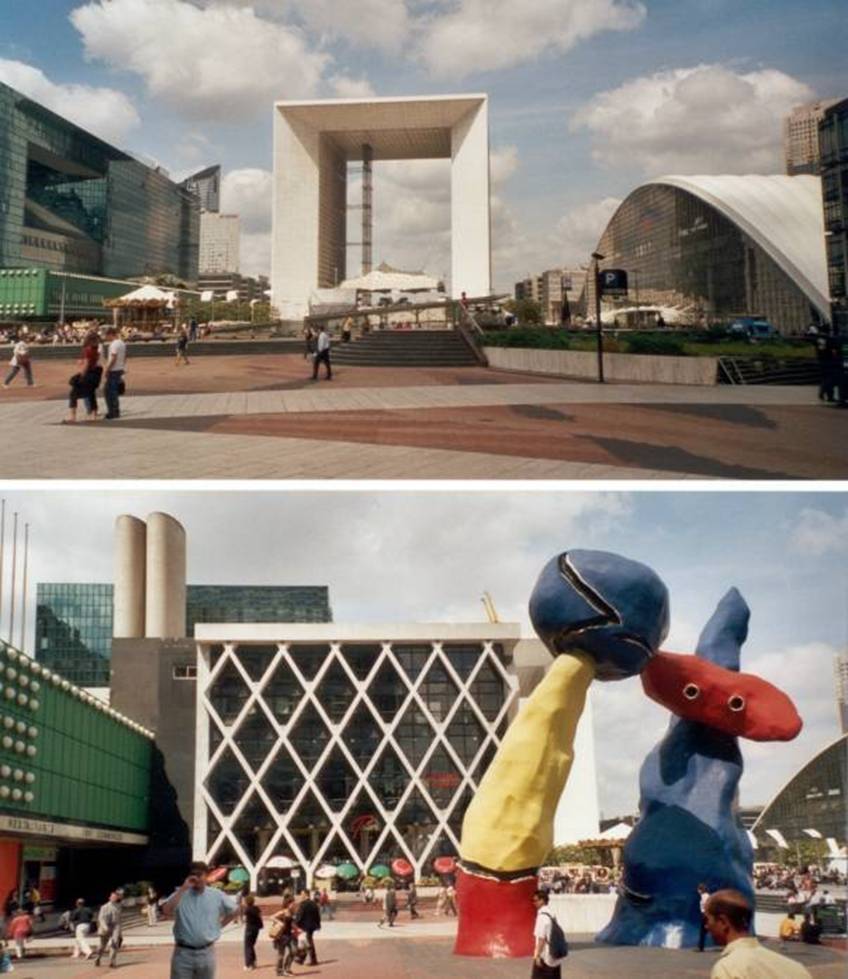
801, 137
840, 668
219, 242
206, 187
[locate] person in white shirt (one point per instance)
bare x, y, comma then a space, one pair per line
322, 354
703, 897
545, 966
20, 362
116, 364
729, 922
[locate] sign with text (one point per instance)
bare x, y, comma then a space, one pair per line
612, 282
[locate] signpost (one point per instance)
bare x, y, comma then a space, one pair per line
609, 282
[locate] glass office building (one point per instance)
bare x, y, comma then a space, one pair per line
814, 798
725, 246
326, 747
71, 202
73, 622
833, 153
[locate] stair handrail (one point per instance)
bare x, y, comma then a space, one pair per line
470, 330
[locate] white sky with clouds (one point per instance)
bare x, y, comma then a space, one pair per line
588, 98
428, 556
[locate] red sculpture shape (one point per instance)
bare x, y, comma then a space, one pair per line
740, 704
498, 916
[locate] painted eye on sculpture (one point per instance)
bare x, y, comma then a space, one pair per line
691, 691
736, 703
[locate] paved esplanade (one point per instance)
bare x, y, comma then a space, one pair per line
265, 433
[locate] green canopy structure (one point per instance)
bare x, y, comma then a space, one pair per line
380, 870
347, 871
238, 875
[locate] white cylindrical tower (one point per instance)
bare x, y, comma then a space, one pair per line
130, 584
165, 615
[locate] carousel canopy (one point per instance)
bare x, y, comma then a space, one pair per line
150, 296
387, 279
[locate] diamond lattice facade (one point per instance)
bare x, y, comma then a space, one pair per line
332, 744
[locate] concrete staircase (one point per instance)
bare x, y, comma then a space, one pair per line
405, 348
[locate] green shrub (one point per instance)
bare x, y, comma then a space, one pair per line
520, 336
658, 344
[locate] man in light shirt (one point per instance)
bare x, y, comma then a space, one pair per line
116, 364
322, 354
545, 966
729, 922
200, 912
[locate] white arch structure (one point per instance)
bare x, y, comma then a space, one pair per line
313, 142
783, 215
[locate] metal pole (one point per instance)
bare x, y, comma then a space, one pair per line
24, 589
14, 563
62, 303
598, 332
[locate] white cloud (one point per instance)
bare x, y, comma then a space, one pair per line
212, 63
578, 231
255, 253
351, 88
483, 35
817, 533
105, 112
704, 119
247, 192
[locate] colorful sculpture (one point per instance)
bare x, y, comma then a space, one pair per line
602, 616
688, 832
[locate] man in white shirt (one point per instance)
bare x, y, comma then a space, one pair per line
116, 364
545, 966
729, 922
322, 354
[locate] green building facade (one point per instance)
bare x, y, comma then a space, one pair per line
44, 294
73, 622
71, 202
69, 766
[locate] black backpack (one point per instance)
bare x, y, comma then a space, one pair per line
557, 942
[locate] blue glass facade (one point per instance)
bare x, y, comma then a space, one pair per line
71, 202
73, 622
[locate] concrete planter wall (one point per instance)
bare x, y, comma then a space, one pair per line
637, 368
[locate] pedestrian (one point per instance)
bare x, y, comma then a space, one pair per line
412, 900
309, 341
703, 897
441, 900
789, 930
389, 906
109, 929
192, 329
152, 906
347, 329
545, 962
85, 382
252, 926
308, 919
281, 934
810, 929
80, 920
729, 922
116, 365
19, 930
182, 347
326, 905
199, 914
450, 900
20, 362
322, 354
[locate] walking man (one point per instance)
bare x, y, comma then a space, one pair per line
729, 922
308, 919
322, 354
544, 962
389, 906
109, 929
412, 900
116, 364
200, 912
80, 920
703, 897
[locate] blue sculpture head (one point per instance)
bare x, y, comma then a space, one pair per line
602, 604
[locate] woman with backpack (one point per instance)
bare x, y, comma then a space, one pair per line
282, 934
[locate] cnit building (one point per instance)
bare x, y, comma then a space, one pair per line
317, 742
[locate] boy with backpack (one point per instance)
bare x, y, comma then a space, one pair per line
551, 945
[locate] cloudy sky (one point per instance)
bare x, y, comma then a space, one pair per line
428, 557
588, 97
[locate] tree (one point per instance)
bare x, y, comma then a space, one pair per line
527, 311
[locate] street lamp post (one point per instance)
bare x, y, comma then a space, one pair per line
597, 258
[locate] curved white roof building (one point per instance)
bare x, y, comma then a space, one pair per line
725, 246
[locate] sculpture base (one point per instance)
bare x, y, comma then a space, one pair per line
496, 917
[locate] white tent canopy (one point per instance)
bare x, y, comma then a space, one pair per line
618, 832
147, 294
388, 280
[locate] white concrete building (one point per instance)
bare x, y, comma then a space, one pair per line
313, 143
220, 235
331, 743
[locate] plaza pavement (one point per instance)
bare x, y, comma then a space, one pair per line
410, 951
262, 418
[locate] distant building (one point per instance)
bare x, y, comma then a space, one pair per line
833, 140
553, 290
529, 289
219, 242
801, 137
840, 668
206, 187
71, 202
74, 621
222, 284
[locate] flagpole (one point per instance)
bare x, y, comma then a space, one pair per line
14, 562
24, 590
